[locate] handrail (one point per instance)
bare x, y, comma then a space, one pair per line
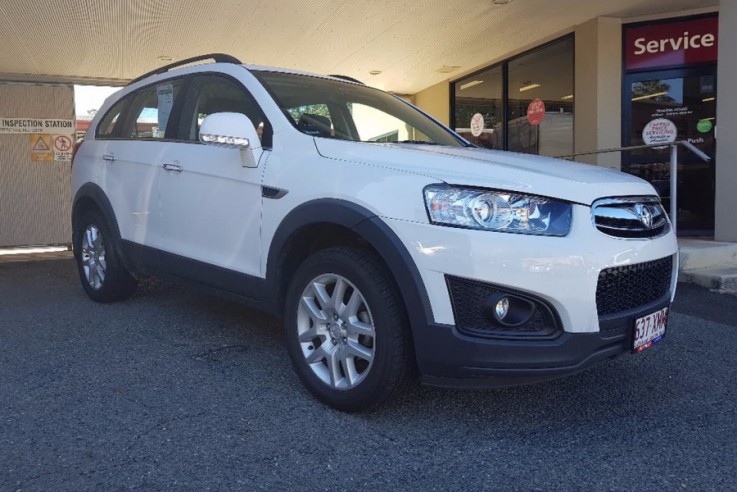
685, 143
673, 165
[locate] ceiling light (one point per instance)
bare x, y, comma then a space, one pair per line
648, 96
375, 72
708, 99
473, 83
529, 86
569, 96
448, 68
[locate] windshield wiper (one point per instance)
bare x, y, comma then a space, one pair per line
424, 142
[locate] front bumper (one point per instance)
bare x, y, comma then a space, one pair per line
448, 358
562, 272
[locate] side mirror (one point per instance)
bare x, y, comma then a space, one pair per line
233, 130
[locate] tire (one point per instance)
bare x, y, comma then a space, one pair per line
346, 329
102, 275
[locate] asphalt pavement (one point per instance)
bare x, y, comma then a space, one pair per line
176, 390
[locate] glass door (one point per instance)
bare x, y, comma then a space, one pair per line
686, 97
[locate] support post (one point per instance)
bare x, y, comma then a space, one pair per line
673, 185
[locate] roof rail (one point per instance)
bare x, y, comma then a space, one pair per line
345, 77
216, 57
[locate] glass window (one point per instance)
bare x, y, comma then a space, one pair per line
106, 128
686, 98
479, 109
215, 94
534, 115
375, 125
150, 111
540, 100
313, 119
336, 109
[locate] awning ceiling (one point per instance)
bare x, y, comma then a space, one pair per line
413, 43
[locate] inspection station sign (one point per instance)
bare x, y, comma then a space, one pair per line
36, 125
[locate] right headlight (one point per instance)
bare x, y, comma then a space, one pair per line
501, 211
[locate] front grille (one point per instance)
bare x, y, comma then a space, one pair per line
630, 286
630, 217
470, 301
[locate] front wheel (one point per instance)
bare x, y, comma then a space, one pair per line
346, 329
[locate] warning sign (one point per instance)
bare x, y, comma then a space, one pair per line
41, 148
36, 125
62, 148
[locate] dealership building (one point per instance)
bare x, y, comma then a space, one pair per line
556, 77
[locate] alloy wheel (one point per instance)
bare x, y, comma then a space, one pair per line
336, 331
93, 257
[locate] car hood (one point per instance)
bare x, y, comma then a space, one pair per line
470, 166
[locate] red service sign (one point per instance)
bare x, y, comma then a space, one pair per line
676, 43
536, 111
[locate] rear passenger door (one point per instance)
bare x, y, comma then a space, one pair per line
137, 132
210, 202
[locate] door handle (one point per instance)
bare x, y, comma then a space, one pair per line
172, 167
108, 157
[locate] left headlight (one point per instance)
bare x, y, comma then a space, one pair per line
502, 211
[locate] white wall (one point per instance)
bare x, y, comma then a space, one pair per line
35, 196
435, 101
598, 90
726, 166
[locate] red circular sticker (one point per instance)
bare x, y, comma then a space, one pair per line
536, 111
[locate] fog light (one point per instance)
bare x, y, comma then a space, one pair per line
502, 308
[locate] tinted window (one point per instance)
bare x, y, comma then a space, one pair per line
215, 94
335, 109
479, 108
107, 126
150, 110
313, 119
540, 106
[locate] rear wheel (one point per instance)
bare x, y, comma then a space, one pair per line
102, 275
346, 329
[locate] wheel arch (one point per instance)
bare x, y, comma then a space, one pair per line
325, 223
91, 197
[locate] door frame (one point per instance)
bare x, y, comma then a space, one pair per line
684, 156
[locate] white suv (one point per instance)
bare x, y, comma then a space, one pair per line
387, 242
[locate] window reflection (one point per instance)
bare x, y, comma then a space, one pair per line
481, 94
545, 74
543, 78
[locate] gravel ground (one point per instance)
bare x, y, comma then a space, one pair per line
178, 390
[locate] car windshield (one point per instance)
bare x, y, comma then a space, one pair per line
347, 111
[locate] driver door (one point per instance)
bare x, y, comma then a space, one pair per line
211, 202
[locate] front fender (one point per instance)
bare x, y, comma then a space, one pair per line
371, 229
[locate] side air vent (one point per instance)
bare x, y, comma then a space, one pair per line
630, 217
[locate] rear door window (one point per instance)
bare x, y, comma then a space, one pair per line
148, 113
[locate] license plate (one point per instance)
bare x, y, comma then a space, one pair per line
650, 329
